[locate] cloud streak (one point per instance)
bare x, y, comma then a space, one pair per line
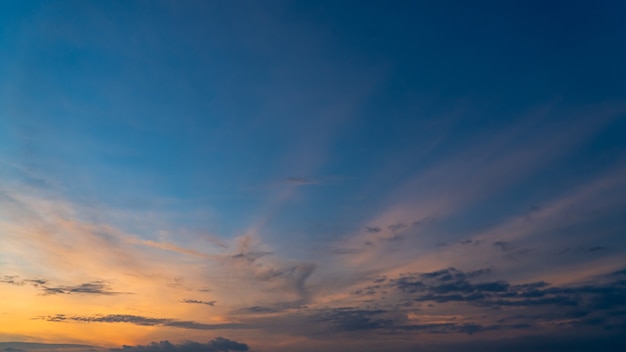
218, 344
195, 301
141, 321
87, 288
302, 181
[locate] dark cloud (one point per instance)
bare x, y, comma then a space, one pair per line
397, 227
543, 343
298, 275
351, 319
618, 273
139, 320
470, 242
450, 285
597, 304
534, 210
219, 344
90, 288
505, 246
11, 280
258, 309
289, 306
27, 346
597, 248
450, 328
37, 282
368, 290
511, 251
251, 256
52, 291
592, 249
373, 229
195, 301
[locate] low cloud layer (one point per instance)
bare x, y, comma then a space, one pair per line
219, 344
139, 320
420, 303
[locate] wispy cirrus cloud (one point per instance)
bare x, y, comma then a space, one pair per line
196, 301
141, 321
302, 180
87, 288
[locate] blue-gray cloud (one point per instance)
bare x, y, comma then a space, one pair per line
139, 320
99, 287
600, 303
218, 344
27, 346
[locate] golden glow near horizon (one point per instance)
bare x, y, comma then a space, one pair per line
94, 284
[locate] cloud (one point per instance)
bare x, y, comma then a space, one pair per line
179, 283
509, 250
453, 285
89, 288
595, 303
194, 301
27, 346
470, 242
541, 343
597, 249
504, 246
258, 309
218, 344
302, 180
583, 250
139, 320
414, 302
251, 256
396, 227
297, 276
287, 279
171, 247
351, 319
346, 250
11, 280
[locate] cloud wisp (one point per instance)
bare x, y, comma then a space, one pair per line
301, 180
195, 301
141, 321
86, 288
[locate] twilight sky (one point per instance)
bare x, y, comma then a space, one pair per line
272, 176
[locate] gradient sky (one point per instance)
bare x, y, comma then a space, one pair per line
269, 176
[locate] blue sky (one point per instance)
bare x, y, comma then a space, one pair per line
386, 175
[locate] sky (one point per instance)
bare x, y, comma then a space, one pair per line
272, 176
